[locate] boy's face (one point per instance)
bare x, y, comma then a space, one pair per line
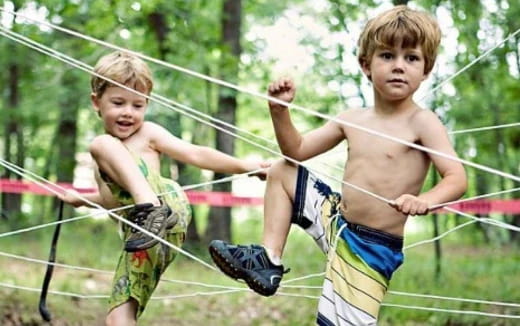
396, 72
122, 111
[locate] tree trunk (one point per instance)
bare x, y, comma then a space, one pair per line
437, 244
67, 132
482, 188
14, 150
219, 224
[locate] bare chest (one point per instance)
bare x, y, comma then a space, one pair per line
141, 149
373, 147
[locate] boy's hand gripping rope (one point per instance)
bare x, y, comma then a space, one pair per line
44, 312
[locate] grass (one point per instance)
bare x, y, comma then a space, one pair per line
468, 271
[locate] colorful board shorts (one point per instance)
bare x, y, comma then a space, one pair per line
138, 273
361, 260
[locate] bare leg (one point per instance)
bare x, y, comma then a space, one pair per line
114, 159
278, 206
123, 315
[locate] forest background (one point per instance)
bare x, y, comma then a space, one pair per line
47, 123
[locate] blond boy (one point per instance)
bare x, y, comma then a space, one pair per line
127, 156
397, 51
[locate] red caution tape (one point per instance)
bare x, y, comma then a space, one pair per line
213, 198
195, 197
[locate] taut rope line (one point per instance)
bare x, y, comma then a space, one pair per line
215, 126
290, 105
127, 51
83, 65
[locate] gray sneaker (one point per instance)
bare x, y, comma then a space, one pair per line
249, 263
154, 219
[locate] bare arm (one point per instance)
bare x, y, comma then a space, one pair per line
453, 183
291, 142
103, 196
75, 199
201, 156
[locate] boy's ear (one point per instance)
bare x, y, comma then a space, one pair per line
366, 68
95, 102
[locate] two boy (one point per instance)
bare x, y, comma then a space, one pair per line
397, 51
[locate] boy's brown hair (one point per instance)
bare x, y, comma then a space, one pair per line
124, 68
401, 26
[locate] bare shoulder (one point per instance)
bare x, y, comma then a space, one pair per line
153, 130
423, 119
149, 126
428, 126
352, 114
421, 116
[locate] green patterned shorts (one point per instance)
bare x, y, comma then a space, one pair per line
138, 273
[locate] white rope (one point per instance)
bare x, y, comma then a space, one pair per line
455, 311
290, 105
101, 271
236, 289
117, 209
68, 294
472, 63
508, 125
492, 194
219, 128
486, 220
104, 296
98, 296
430, 296
440, 236
462, 161
35, 178
372, 194
100, 76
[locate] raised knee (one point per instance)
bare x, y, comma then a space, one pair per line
281, 169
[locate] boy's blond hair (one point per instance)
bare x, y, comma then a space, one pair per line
401, 26
123, 68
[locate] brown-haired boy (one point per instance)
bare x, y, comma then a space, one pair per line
397, 50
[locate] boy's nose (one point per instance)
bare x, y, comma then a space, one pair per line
398, 65
127, 110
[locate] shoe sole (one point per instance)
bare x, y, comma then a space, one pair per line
147, 245
170, 223
225, 264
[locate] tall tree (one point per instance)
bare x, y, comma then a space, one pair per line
14, 147
219, 225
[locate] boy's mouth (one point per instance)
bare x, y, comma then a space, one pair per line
124, 123
397, 80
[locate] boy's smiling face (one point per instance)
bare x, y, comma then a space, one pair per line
122, 111
396, 72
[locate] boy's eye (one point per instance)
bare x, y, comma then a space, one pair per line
413, 58
386, 55
117, 102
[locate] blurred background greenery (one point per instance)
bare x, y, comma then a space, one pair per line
47, 124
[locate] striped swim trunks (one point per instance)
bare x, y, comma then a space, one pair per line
361, 260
